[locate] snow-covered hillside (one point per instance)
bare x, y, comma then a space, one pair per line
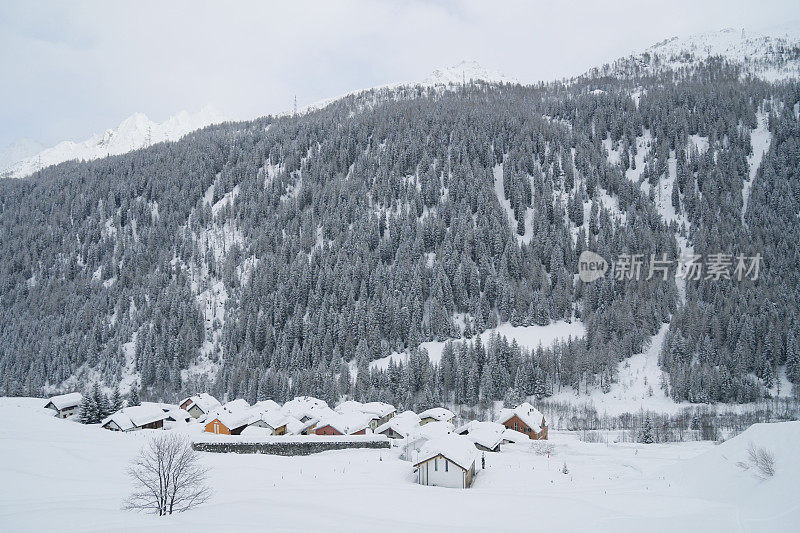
134, 132
441, 78
465, 72
60, 475
771, 57
530, 337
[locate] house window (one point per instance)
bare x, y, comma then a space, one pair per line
446, 466
516, 427
436, 464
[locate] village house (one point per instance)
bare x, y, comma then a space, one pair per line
274, 422
223, 422
297, 427
447, 461
65, 405
436, 414
135, 418
344, 424
378, 412
400, 426
526, 419
200, 404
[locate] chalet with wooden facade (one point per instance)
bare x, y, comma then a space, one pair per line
226, 423
526, 419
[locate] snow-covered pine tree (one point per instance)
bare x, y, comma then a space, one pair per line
133, 396
646, 435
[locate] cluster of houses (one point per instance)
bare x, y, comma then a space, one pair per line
443, 454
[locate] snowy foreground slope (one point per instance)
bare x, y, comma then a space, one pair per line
60, 476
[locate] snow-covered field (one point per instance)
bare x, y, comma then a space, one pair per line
60, 476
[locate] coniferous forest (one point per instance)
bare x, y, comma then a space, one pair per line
280, 256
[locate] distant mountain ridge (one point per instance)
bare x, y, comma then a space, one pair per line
136, 131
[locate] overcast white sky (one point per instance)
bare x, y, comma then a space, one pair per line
70, 69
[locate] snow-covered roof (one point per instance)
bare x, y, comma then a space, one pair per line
430, 431
267, 405
526, 412
518, 437
405, 424
230, 420
204, 401
346, 423
306, 406
141, 415
66, 401
456, 448
475, 425
239, 404
161, 405
438, 413
349, 406
136, 416
255, 431
487, 434
120, 419
178, 414
296, 427
373, 409
379, 409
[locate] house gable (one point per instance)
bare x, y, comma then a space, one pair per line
515, 423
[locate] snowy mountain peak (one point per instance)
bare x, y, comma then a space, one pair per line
463, 72
136, 131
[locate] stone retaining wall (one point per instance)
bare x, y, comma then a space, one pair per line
286, 448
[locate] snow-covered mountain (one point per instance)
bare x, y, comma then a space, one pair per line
134, 132
770, 56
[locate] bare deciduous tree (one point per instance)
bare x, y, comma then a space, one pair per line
761, 460
168, 477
